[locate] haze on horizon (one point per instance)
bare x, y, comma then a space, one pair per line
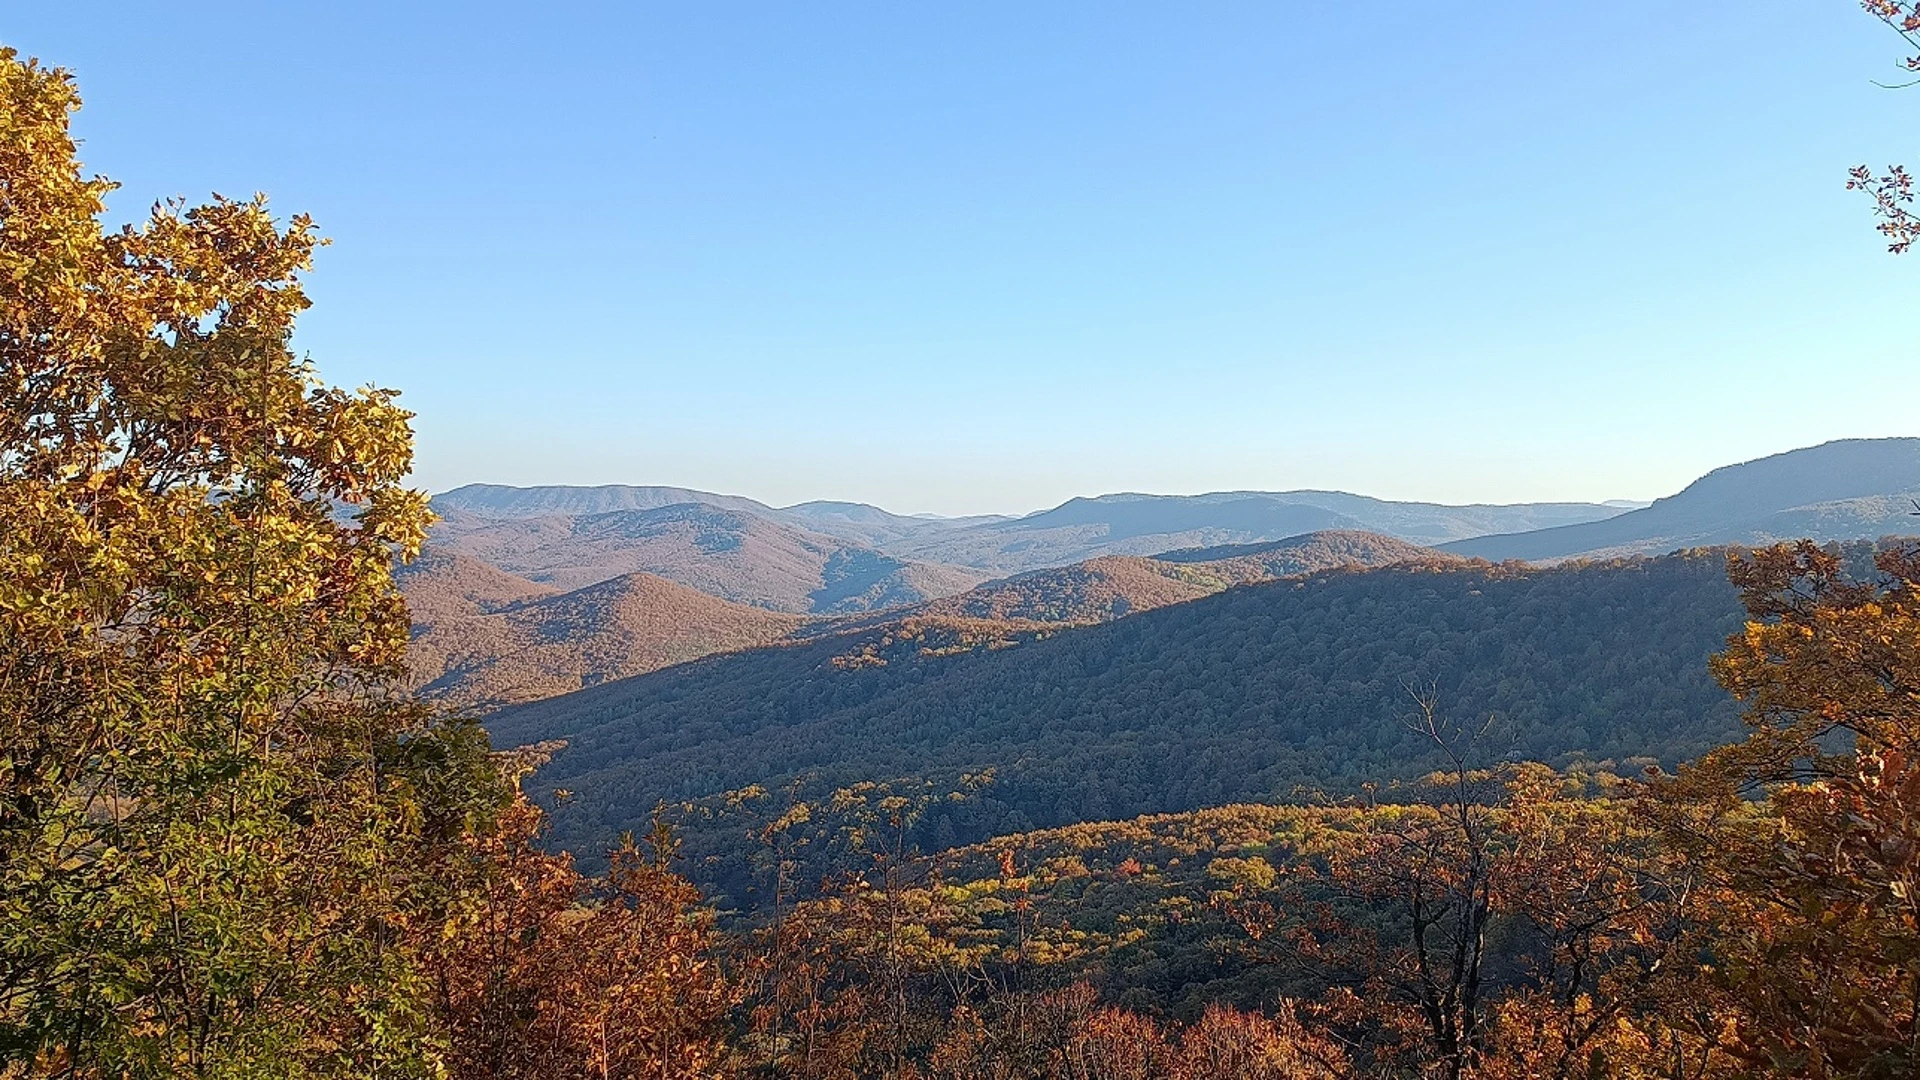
985, 260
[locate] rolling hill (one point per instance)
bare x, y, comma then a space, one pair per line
444, 584
501, 649
1324, 550
729, 553
1250, 694
1113, 586
485, 637
1846, 490
1097, 590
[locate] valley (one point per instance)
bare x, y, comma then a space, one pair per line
1137, 715
325, 756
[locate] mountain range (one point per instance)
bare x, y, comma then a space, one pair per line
530, 592
483, 637
736, 547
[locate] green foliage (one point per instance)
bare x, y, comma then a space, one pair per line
215, 823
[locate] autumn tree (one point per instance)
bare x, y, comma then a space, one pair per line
1074, 1037
1403, 914
1515, 922
854, 979
1603, 922
1820, 956
215, 820
545, 975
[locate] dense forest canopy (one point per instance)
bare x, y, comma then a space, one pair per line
1279, 691
483, 637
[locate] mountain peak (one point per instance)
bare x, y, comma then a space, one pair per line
1842, 490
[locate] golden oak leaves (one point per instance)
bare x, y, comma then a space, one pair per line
1814, 966
1824, 948
206, 795
1824, 654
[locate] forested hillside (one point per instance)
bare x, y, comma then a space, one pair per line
1270, 691
483, 637
480, 641
1114, 586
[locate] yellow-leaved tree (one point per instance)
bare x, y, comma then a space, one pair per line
218, 826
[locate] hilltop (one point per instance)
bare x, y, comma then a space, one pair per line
507, 644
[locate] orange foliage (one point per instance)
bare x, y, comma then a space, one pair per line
1067, 1035
548, 975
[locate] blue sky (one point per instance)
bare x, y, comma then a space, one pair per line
984, 257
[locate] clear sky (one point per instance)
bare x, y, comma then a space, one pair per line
987, 256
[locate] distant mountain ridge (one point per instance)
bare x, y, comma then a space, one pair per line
505, 501
484, 637
733, 554
945, 585
842, 520
990, 546
1841, 490
1136, 524
1849, 489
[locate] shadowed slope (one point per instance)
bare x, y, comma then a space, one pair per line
1236, 696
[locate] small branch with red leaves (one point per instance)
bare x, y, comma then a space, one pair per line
1892, 191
